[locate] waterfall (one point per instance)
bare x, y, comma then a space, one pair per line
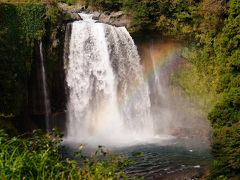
108, 97
44, 86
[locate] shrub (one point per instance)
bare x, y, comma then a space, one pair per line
69, 2
38, 156
226, 150
227, 111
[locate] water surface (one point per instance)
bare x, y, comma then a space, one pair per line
161, 158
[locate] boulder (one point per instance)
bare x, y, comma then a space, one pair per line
121, 21
75, 17
104, 18
115, 18
96, 15
117, 14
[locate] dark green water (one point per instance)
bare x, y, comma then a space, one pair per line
174, 158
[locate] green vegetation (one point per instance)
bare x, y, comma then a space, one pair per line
171, 18
38, 156
215, 60
69, 2
225, 118
196, 87
20, 25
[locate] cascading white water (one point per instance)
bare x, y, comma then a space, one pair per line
108, 97
45, 93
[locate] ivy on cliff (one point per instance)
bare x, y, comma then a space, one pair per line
22, 24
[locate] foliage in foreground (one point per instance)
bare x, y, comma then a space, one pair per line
38, 156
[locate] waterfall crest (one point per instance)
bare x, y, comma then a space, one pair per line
108, 97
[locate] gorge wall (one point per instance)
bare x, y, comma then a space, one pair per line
23, 27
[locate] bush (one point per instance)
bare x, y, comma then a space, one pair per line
215, 65
69, 2
226, 150
227, 111
225, 118
38, 156
109, 5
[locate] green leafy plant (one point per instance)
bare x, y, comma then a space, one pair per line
38, 156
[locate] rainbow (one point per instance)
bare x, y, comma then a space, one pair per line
154, 57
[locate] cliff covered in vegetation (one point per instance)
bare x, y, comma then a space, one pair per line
24, 26
21, 25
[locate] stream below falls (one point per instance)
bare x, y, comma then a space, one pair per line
160, 158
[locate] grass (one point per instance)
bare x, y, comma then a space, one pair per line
38, 156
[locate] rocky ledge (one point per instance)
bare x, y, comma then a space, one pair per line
114, 18
118, 18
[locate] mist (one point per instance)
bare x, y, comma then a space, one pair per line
173, 113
